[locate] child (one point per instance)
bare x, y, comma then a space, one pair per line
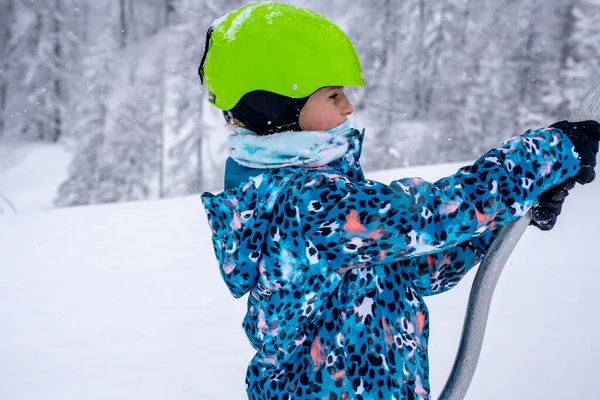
336, 266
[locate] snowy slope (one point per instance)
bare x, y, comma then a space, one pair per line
126, 302
30, 173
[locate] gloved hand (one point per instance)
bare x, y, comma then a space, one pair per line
585, 136
549, 206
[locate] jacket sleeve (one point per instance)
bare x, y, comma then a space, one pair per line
353, 224
438, 272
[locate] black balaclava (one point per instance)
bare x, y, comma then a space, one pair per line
266, 112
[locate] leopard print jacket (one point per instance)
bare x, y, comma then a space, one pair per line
336, 265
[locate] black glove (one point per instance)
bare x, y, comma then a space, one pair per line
549, 205
585, 136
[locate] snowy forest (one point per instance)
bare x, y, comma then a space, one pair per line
115, 82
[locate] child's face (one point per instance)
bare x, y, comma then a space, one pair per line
325, 109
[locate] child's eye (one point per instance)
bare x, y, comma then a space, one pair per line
333, 96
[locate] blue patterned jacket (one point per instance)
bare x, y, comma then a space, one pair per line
336, 265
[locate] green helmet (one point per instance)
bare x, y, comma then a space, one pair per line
278, 48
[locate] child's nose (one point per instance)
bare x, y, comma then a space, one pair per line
347, 108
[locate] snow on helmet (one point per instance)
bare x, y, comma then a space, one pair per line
278, 48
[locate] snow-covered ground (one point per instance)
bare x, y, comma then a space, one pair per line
125, 302
30, 173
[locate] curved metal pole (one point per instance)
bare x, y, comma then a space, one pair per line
478, 309
491, 267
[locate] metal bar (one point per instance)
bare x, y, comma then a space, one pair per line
478, 309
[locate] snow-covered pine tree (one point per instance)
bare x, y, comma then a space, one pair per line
561, 41
536, 57
388, 48
192, 167
491, 101
7, 21
132, 152
184, 102
583, 64
440, 94
51, 54
86, 135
